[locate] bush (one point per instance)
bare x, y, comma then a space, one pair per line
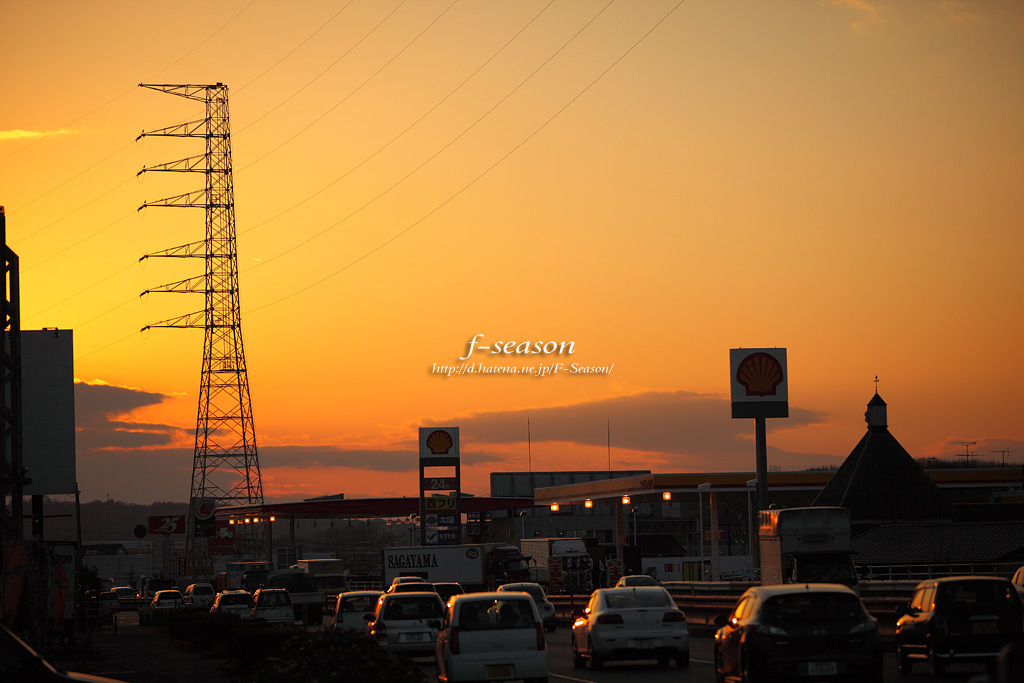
334, 656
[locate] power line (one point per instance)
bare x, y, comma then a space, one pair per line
485, 172
441, 150
130, 90
317, 77
379, 150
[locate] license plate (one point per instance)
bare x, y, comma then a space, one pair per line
412, 637
499, 671
821, 668
985, 627
644, 643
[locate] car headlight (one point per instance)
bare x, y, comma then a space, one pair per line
864, 627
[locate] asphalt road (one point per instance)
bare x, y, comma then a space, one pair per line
144, 654
701, 669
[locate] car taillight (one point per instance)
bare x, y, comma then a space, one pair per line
453, 640
380, 631
610, 619
673, 616
540, 637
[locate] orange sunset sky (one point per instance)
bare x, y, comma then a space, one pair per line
656, 181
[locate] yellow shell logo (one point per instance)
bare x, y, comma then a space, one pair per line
760, 374
439, 442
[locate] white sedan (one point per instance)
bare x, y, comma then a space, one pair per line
640, 622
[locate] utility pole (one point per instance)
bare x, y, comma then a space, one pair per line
12, 472
225, 467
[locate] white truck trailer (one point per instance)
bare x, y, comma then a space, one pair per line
806, 545
482, 566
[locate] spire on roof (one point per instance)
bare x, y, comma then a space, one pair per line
876, 413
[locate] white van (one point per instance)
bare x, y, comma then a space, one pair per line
493, 637
200, 595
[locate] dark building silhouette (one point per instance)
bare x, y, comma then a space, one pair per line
879, 482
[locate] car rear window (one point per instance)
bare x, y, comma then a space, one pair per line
275, 599
978, 596
236, 600
633, 599
813, 607
413, 608
483, 615
202, 590
359, 603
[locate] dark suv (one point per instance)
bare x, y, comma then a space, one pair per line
958, 619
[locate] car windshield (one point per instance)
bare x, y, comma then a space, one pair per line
274, 599
413, 608
629, 599
812, 607
516, 566
202, 590
483, 615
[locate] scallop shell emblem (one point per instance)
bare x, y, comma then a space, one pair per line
439, 442
760, 374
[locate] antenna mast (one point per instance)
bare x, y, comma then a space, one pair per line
225, 467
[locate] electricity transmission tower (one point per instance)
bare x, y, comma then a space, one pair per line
225, 467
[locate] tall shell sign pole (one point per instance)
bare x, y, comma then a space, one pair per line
440, 490
760, 389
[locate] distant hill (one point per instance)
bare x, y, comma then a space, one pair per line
104, 521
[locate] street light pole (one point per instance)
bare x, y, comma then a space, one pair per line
751, 483
700, 504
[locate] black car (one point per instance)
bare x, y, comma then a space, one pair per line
958, 619
808, 631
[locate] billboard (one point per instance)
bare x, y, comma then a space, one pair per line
48, 411
759, 382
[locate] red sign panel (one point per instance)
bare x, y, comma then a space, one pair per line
167, 524
223, 542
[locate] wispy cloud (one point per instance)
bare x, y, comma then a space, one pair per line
864, 13
19, 134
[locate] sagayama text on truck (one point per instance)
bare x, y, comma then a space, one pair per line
482, 566
806, 545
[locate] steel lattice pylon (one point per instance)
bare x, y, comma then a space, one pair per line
226, 466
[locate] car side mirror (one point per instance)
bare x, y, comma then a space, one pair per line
910, 611
720, 620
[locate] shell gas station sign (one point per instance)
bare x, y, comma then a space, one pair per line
760, 382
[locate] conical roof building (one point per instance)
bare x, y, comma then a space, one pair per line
880, 482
